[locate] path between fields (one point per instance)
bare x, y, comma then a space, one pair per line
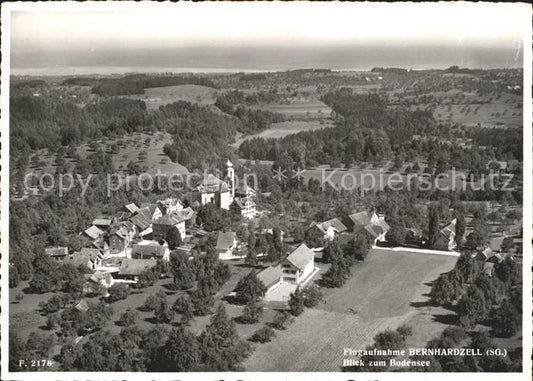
419, 251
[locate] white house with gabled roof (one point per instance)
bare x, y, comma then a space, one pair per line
298, 265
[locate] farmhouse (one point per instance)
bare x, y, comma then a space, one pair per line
130, 269
98, 283
93, 233
150, 211
102, 223
141, 221
120, 236
150, 250
162, 225
299, 265
446, 238
373, 224
77, 259
329, 229
56, 253
226, 243
131, 208
244, 207
170, 205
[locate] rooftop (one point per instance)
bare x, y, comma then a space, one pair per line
225, 240
301, 256
135, 266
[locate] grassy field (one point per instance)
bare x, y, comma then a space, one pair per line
301, 109
502, 110
386, 291
158, 96
279, 130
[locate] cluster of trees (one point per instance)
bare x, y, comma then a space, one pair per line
342, 257
252, 120
38, 123
206, 271
217, 348
481, 298
338, 145
199, 133
506, 142
74, 322
136, 83
37, 346
213, 218
386, 340
266, 243
456, 337
30, 83
367, 130
49, 276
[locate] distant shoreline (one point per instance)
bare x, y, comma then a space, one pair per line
121, 70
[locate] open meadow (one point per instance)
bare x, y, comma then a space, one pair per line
387, 290
288, 127
300, 109
159, 96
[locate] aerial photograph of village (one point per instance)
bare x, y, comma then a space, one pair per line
248, 206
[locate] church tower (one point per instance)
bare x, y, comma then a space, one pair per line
230, 174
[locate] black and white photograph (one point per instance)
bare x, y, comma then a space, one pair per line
324, 190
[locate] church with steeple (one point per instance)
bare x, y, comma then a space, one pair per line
212, 190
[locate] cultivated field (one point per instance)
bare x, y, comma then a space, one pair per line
300, 109
158, 96
289, 127
387, 290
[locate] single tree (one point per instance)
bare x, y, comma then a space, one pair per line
250, 288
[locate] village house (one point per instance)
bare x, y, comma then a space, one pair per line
161, 226
120, 236
57, 253
148, 250
329, 229
372, 223
488, 269
131, 208
170, 205
298, 265
244, 207
150, 211
130, 269
270, 232
141, 222
226, 244
77, 259
98, 283
102, 223
446, 238
93, 233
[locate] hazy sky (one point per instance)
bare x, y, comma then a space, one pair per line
266, 24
